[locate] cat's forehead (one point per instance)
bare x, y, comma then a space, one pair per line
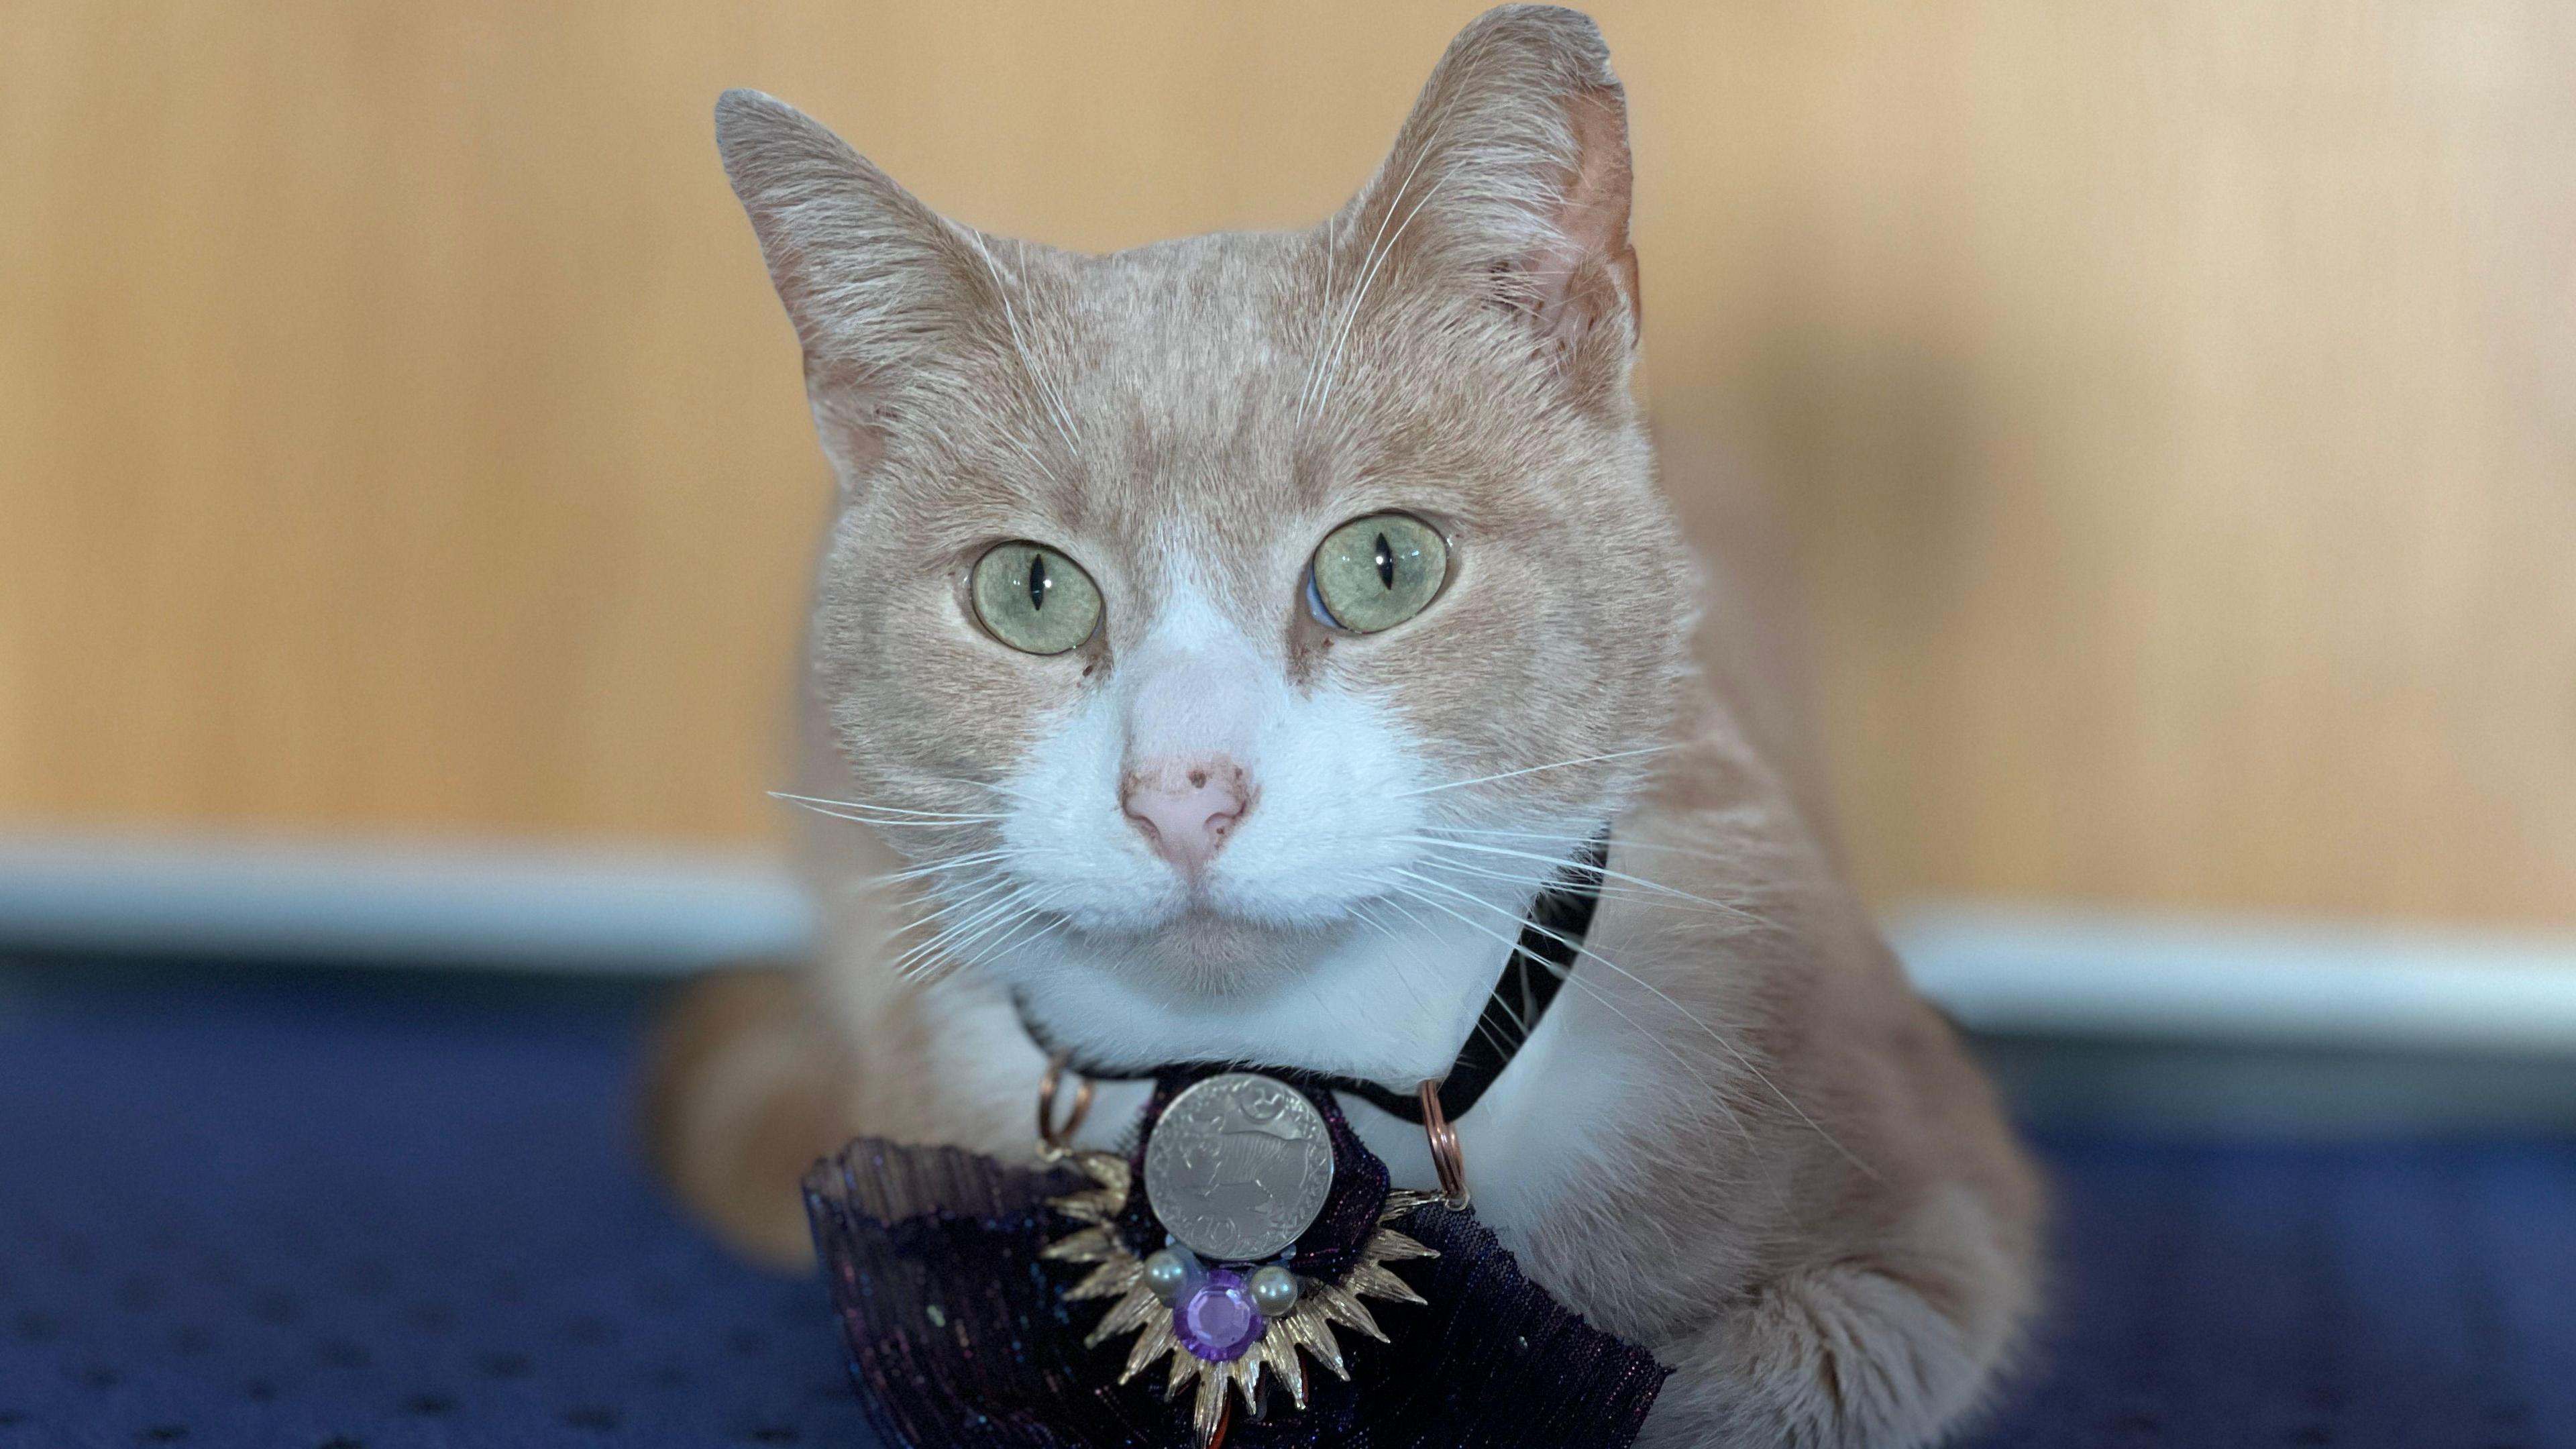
1189, 359
1184, 373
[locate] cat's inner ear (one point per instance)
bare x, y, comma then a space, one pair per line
879, 286
1512, 174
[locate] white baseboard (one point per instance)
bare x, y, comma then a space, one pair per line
2034, 970
582, 909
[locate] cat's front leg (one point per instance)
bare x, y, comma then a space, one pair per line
1879, 1352
750, 1081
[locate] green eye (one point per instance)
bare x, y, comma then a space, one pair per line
1376, 572
1034, 599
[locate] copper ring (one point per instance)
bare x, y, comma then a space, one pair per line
1054, 1139
1445, 1158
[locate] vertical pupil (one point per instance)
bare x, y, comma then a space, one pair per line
1037, 581
1385, 562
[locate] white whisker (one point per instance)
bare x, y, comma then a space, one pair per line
1602, 871
1608, 891
1583, 950
979, 893
1535, 769
1036, 910
1519, 1019
1332, 248
938, 867
1052, 405
858, 818
1360, 294
1552, 837
983, 785
819, 801
954, 937
1567, 974
1315, 378
1410, 985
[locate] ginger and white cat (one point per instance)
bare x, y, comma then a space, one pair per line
1120, 719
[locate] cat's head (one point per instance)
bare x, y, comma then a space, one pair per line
1235, 632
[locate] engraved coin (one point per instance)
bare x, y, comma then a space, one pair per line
1238, 1166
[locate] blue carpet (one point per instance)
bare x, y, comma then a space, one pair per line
299, 1212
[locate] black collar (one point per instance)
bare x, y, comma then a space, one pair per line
1550, 939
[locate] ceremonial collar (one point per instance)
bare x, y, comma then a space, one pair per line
1551, 937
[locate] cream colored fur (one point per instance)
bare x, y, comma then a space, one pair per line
1738, 1138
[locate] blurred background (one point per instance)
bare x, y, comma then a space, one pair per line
406, 497
398, 437
400, 450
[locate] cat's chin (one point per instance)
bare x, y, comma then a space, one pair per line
1213, 953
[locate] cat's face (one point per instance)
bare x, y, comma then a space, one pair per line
1251, 621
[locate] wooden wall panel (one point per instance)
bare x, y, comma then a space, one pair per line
2176, 401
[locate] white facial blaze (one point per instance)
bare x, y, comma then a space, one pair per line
1334, 811
1332, 785
1197, 687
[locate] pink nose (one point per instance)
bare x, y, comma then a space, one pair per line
1186, 808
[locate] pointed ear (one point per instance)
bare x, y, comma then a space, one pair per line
1512, 174
876, 283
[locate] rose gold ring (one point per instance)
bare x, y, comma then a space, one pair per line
1056, 1139
1445, 1158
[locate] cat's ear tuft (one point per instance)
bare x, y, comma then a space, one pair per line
876, 282
1513, 174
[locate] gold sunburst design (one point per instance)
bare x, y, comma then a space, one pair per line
1118, 1273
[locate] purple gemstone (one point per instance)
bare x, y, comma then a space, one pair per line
1218, 1322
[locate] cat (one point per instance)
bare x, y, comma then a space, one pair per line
1368, 616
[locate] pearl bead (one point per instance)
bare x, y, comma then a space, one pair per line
1170, 1273
1274, 1290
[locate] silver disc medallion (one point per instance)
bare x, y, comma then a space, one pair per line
1238, 1166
